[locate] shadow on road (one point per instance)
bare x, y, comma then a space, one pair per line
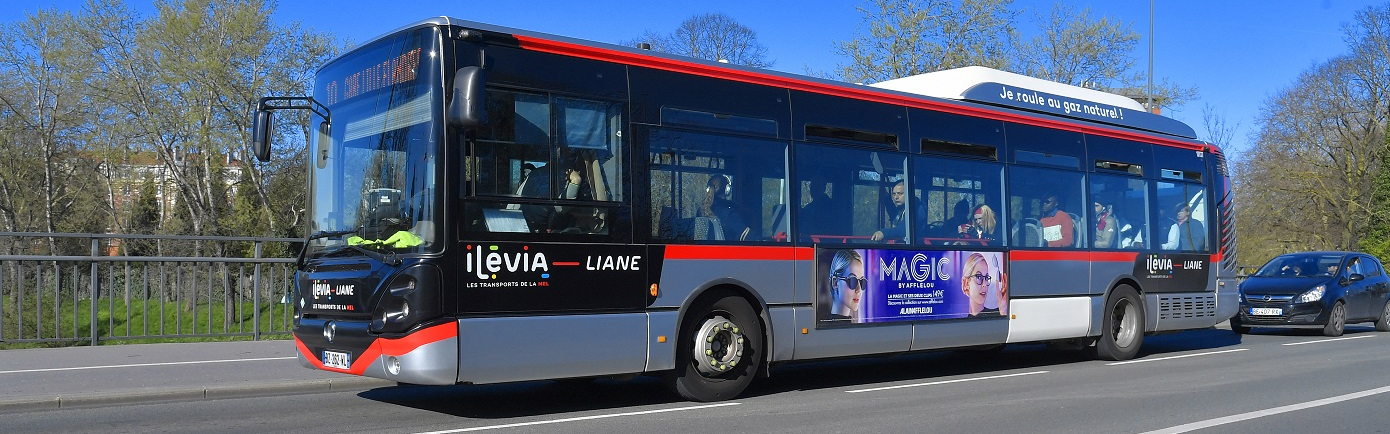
537, 398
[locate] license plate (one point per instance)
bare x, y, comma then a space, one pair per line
1266, 311
339, 360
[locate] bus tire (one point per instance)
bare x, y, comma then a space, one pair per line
1122, 326
719, 352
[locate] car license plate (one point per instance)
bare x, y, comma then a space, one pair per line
1266, 311
339, 360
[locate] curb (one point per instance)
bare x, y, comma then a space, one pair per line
143, 396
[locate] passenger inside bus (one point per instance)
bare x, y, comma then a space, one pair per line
982, 225
1186, 234
818, 215
1107, 226
894, 229
1058, 227
719, 218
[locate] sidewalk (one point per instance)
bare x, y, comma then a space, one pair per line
42, 379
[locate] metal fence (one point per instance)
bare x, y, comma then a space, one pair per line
77, 288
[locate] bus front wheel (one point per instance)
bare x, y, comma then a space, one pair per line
1122, 328
720, 351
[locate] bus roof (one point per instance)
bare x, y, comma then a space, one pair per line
915, 91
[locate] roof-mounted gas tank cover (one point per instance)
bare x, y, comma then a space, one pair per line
995, 87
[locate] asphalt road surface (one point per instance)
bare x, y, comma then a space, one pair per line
1207, 381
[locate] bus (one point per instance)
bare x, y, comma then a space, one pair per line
491, 205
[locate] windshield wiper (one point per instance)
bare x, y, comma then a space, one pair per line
299, 261
388, 258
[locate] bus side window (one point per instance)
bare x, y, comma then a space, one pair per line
846, 196
716, 188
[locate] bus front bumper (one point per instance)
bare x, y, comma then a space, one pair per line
426, 355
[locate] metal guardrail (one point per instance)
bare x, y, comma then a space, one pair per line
183, 289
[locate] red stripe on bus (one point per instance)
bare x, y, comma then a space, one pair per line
856, 92
408, 343
380, 346
1053, 255
739, 253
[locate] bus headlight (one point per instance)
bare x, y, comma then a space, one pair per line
411, 297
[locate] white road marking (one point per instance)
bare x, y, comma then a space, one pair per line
80, 368
1329, 340
934, 383
577, 419
1270, 412
1175, 357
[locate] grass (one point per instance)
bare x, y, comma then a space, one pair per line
139, 322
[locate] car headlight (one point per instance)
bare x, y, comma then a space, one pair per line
1312, 295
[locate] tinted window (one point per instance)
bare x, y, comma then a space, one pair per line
952, 128
653, 90
847, 195
1046, 208
708, 187
962, 201
1186, 160
1120, 155
1182, 217
1119, 210
1045, 146
844, 120
546, 159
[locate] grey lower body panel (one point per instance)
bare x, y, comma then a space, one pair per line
504, 349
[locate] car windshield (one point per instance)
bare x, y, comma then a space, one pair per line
373, 171
1302, 265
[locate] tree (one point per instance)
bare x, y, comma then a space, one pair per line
910, 37
716, 37
1097, 53
189, 76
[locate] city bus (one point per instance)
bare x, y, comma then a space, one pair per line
491, 205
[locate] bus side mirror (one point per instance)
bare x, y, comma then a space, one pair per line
467, 109
260, 135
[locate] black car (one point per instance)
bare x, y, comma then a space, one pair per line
1327, 289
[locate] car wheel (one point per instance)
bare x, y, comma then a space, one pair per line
1383, 323
1122, 327
721, 349
1336, 321
1238, 327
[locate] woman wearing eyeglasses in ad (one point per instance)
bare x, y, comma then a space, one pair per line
847, 286
979, 280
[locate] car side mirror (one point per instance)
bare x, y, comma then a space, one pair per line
1356, 277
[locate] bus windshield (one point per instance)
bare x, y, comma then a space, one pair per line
373, 171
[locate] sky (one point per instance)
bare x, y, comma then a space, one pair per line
1236, 53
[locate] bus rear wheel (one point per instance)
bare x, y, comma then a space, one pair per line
720, 351
1122, 327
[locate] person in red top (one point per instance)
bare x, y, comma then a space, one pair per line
1056, 224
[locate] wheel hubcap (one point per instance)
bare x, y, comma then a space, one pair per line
718, 346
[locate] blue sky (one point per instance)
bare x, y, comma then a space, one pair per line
1236, 53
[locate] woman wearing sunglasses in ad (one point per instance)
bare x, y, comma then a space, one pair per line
847, 286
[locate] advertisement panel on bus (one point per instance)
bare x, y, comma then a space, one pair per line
858, 286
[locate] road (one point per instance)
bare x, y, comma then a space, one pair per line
1210, 381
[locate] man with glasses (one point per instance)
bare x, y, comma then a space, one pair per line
1057, 226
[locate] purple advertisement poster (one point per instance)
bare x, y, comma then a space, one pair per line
857, 286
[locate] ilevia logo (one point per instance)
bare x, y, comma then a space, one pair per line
486, 261
1156, 265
